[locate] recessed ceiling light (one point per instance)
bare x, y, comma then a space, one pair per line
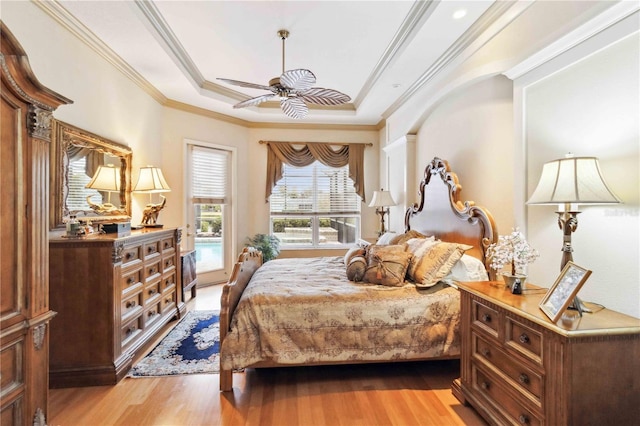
459, 14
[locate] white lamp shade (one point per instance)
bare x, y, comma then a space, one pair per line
572, 180
151, 180
106, 178
382, 198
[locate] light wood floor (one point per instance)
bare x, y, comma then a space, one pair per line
376, 394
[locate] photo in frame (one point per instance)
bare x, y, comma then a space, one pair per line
563, 291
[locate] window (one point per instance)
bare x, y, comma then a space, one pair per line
315, 206
78, 179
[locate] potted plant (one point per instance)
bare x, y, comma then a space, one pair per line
269, 245
515, 251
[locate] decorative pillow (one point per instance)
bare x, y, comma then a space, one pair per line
403, 238
385, 239
432, 260
387, 265
356, 268
353, 251
468, 268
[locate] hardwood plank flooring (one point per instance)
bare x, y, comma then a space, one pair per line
412, 393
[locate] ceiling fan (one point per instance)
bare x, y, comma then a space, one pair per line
294, 88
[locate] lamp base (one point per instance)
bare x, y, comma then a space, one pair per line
152, 225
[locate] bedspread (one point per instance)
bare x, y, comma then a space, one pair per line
305, 311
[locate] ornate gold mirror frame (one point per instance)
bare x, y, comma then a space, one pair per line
67, 138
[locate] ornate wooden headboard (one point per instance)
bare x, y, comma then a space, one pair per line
442, 214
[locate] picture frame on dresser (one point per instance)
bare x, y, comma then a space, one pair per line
564, 290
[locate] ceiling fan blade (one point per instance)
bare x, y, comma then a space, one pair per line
299, 79
245, 84
254, 101
318, 95
294, 107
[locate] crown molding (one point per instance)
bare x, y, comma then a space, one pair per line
419, 13
607, 19
75, 27
493, 14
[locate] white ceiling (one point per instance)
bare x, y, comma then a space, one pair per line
377, 52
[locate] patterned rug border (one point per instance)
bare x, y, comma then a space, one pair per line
163, 361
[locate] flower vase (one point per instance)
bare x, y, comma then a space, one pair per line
510, 279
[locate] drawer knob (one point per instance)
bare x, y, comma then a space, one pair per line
128, 256
152, 292
151, 313
130, 330
485, 385
130, 304
486, 352
130, 280
486, 318
524, 338
523, 419
524, 379
149, 249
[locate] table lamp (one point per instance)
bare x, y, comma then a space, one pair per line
568, 182
151, 181
381, 201
106, 179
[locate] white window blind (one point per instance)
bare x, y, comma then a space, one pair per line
78, 179
209, 169
315, 188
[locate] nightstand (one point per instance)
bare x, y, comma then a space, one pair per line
519, 368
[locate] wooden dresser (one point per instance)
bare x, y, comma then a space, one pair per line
25, 116
519, 368
112, 295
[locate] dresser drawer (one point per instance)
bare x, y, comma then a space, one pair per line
152, 314
151, 292
152, 270
524, 339
131, 331
485, 318
169, 283
131, 255
494, 391
168, 302
168, 263
131, 306
523, 378
151, 249
131, 281
168, 245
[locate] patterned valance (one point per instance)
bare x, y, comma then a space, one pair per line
286, 152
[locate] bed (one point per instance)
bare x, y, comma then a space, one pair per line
305, 311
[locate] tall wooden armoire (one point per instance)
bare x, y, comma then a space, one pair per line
25, 128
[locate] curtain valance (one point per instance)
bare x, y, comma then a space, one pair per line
286, 152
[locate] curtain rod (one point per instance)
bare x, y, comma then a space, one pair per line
328, 143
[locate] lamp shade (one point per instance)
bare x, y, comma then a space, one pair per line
151, 180
572, 180
106, 178
382, 198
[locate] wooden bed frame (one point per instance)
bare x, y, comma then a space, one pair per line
440, 213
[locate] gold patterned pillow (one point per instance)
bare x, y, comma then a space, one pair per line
387, 265
403, 238
432, 260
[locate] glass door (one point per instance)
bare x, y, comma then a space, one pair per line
208, 211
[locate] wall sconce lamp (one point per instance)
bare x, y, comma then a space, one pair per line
568, 182
151, 181
381, 201
106, 179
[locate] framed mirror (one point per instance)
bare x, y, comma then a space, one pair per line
76, 155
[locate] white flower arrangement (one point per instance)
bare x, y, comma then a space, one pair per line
512, 249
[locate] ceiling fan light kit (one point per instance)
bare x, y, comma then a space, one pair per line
294, 88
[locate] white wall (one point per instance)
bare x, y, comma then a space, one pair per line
591, 109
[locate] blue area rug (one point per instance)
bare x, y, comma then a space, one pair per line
192, 347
